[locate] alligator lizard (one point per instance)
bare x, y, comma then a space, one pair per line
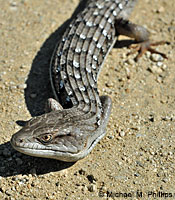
72, 127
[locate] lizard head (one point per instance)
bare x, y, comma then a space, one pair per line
62, 134
59, 135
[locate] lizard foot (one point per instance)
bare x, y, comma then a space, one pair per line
142, 47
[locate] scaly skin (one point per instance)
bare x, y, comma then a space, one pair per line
74, 126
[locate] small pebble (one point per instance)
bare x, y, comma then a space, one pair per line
2, 169
156, 57
165, 180
33, 171
14, 4
33, 95
130, 61
164, 67
155, 170
148, 54
22, 86
8, 192
3, 73
122, 133
123, 55
140, 164
23, 66
13, 87
6, 153
160, 10
152, 152
109, 84
139, 135
111, 137
159, 64
154, 69
92, 188
19, 161
128, 72
136, 174
159, 79
18, 154
166, 118
119, 163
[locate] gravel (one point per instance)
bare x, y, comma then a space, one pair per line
137, 153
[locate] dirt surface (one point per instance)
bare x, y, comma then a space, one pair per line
138, 152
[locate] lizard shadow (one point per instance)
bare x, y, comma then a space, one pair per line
124, 43
38, 88
37, 92
14, 163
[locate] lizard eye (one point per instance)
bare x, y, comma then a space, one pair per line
45, 138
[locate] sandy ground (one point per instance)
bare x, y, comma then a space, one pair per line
138, 152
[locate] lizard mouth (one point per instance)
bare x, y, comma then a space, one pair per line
38, 150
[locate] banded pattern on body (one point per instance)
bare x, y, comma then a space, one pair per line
72, 127
81, 53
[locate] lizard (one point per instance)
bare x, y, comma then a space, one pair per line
76, 119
